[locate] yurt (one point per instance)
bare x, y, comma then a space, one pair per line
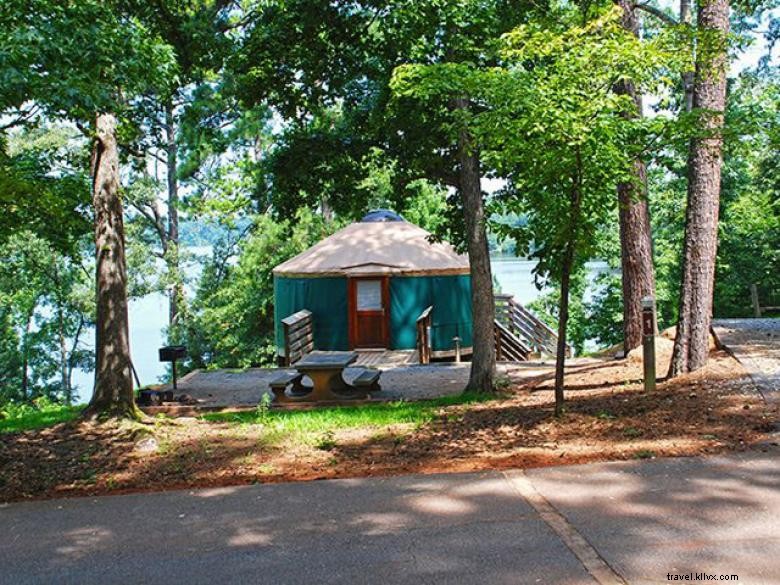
367, 284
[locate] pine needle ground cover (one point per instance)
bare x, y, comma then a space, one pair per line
608, 417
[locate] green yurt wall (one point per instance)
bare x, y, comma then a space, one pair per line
450, 297
326, 298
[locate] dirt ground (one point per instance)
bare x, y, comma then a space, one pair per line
608, 417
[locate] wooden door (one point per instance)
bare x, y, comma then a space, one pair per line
369, 312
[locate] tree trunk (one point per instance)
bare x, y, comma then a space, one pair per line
58, 286
65, 380
326, 209
691, 345
483, 359
73, 350
636, 245
687, 76
566, 270
172, 256
25, 386
113, 394
563, 321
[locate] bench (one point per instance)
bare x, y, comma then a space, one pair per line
369, 380
279, 384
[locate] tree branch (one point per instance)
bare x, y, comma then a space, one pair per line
154, 217
658, 13
22, 116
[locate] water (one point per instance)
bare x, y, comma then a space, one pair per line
515, 277
149, 317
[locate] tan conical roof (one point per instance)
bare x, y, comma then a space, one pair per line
368, 248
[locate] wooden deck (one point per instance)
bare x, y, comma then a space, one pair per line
385, 358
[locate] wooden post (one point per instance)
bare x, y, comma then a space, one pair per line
648, 342
754, 301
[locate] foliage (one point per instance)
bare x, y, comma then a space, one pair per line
346, 140
547, 306
46, 308
43, 186
749, 230
76, 58
603, 314
559, 126
748, 233
549, 119
230, 322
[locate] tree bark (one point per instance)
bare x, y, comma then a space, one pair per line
73, 350
687, 76
63, 355
563, 321
113, 394
25, 386
483, 359
567, 266
58, 286
636, 245
172, 247
691, 345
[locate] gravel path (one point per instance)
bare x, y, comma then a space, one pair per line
756, 344
415, 382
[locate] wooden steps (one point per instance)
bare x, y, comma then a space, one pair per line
520, 333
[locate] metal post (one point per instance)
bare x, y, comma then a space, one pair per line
174, 375
456, 339
648, 341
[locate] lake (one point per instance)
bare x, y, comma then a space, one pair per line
149, 315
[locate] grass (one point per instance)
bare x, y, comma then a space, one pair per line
313, 425
15, 418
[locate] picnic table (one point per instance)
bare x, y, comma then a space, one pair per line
326, 369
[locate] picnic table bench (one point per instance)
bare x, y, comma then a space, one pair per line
326, 369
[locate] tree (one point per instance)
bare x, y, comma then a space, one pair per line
42, 187
483, 361
83, 62
691, 345
113, 391
196, 32
636, 245
42, 277
232, 319
554, 124
45, 311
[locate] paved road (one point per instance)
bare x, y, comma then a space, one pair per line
605, 523
756, 344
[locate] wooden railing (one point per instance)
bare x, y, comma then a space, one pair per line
763, 301
298, 336
423, 336
509, 347
534, 333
